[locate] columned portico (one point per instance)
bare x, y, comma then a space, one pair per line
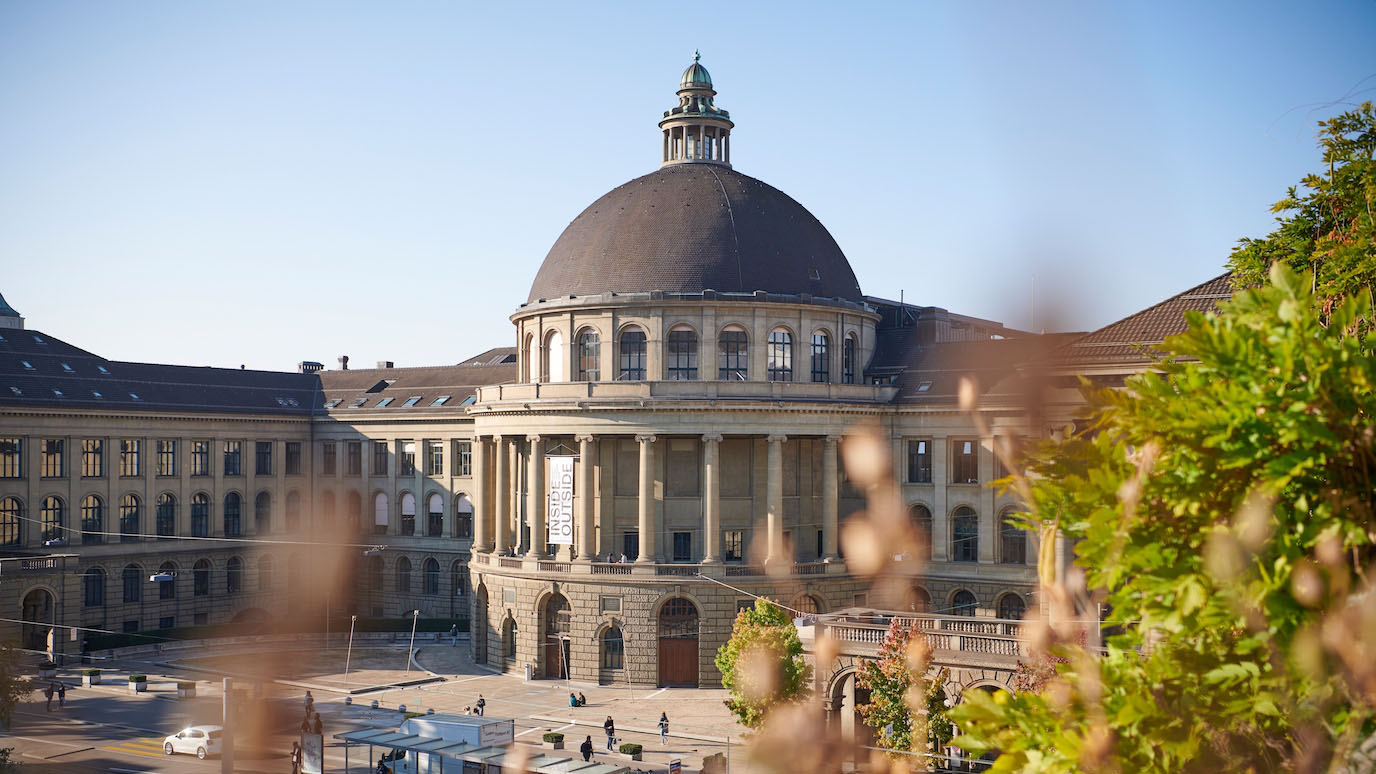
646, 504
535, 500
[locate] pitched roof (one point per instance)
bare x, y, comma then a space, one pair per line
1129, 340
392, 389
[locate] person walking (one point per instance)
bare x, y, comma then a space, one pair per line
454, 636
61, 695
481, 706
48, 693
610, 728
586, 748
663, 728
310, 703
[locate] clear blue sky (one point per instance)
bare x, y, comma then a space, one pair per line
261, 183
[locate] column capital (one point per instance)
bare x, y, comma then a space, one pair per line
776, 438
534, 438
645, 437
832, 438
584, 438
711, 438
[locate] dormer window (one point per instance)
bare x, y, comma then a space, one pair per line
17, 391
67, 368
134, 396
97, 395
441, 400
57, 392
38, 339
103, 370
358, 402
924, 386
411, 401
333, 403
28, 366
384, 403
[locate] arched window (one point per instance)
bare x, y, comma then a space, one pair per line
631, 356
589, 354
964, 535
780, 365
463, 511
168, 589
921, 519
404, 575
129, 519
963, 603
733, 355
530, 360
848, 360
552, 365
806, 604
821, 357
262, 513
1013, 545
430, 569
382, 513
458, 578
1012, 607
265, 572
231, 513
408, 514
92, 521
919, 600
11, 517
681, 352
613, 648
234, 575
165, 516
434, 519
93, 587
200, 515
509, 639
132, 579
200, 578
327, 514
293, 511
51, 519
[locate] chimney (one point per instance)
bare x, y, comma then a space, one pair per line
385, 364
343, 362
309, 367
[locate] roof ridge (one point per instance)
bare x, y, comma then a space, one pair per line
1187, 293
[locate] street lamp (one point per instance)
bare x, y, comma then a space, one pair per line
350, 654
415, 616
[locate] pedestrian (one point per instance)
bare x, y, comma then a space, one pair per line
582, 700
295, 758
454, 636
573, 700
586, 748
623, 559
481, 706
317, 726
610, 728
468, 710
48, 693
310, 702
611, 558
663, 728
61, 695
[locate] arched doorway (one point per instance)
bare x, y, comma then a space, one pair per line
678, 643
847, 697
554, 638
39, 616
478, 629
508, 643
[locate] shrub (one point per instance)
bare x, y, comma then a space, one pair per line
410, 715
47, 665
91, 672
138, 678
553, 737
186, 686
630, 748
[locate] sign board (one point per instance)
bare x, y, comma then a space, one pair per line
675, 766
560, 511
312, 753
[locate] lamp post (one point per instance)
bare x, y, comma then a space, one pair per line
349, 655
415, 616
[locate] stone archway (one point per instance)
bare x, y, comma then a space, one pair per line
845, 698
39, 614
554, 637
678, 643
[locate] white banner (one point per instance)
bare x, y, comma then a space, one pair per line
560, 511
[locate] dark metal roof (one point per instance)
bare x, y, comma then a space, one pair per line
390, 389
1129, 341
694, 227
6, 310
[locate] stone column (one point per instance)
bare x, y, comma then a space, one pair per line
646, 513
830, 504
711, 498
535, 497
587, 452
774, 499
941, 516
482, 536
501, 494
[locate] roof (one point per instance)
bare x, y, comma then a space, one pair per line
6, 310
416, 389
693, 227
1129, 340
533, 760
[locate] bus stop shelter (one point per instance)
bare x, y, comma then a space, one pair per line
425, 755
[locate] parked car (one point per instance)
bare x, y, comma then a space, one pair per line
200, 741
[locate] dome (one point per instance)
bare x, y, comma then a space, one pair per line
692, 227
695, 77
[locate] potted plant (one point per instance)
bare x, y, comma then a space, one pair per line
631, 750
47, 670
554, 740
138, 683
90, 677
186, 690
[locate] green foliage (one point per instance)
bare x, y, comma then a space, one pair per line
552, 736
762, 664
1227, 503
90, 672
630, 748
14, 683
899, 682
1328, 225
138, 678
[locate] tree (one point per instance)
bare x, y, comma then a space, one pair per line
762, 664
13, 685
1226, 504
907, 708
1328, 225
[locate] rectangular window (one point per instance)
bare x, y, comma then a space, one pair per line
293, 458
920, 462
379, 458
588, 353
733, 545
408, 458
262, 458
54, 462
733, 362
630, 545
92, 458
683, 546
167, 622
964, 462
632, 357
327, 457
848, 360
167, 458
682, 351
11, 457
131, 457
354, 458
200, 458
463, 458
234, 458
434, 458
821, 357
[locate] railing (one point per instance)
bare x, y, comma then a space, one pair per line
611, 569
737, 571
993, 637
482, 559
32, 564
511, 564
554, 566
683, 390
686, 571
662, 570
811, 568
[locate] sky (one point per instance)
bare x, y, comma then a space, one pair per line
261, 183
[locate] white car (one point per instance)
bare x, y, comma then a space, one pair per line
195, 740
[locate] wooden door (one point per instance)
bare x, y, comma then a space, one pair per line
678, 662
